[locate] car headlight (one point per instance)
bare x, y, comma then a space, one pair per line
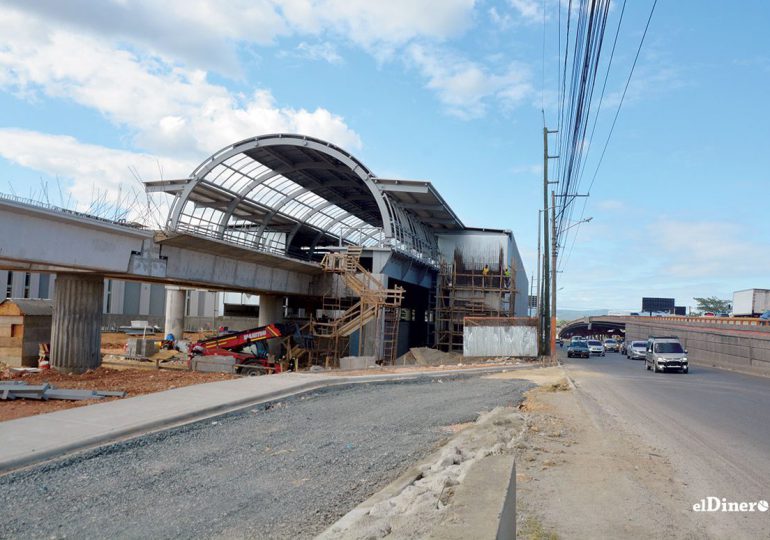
661, 359
684, 359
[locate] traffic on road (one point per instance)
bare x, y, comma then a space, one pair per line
710, 426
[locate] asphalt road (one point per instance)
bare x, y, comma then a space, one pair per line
713, 425
287, 470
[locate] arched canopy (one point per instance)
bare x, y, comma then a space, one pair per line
291, 194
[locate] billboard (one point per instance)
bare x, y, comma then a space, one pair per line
658, 304
680, 310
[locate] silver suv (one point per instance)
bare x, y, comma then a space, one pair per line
665, 352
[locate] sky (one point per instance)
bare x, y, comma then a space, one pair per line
98, 95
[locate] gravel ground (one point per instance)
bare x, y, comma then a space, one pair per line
282, 470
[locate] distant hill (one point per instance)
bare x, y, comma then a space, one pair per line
572, 314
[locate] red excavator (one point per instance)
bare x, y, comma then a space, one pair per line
248, 347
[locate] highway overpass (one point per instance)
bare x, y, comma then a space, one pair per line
740, 344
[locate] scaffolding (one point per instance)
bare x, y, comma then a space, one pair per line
465, 290
371, 302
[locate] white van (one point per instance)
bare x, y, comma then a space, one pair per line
665, 352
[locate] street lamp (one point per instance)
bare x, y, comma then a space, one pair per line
586, 220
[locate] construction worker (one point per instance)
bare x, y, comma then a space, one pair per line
169, 343
507, 275
484, 274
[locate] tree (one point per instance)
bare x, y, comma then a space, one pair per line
714, 304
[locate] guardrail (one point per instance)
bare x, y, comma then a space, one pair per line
733, 321
47, 206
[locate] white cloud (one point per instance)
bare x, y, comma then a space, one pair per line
199, 33
611, 205
68, 39
319, 51
378, 25
204, 33
501, 20
465, 87
664, 257
168, 109
90, 169
698, 249
530, 10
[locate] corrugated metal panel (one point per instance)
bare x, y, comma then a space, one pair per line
518, 341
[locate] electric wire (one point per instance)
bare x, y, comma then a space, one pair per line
564, 260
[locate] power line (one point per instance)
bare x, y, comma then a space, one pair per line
582, 54
623, 97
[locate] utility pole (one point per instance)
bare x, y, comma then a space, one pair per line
547, 317
545, 330
553, 276
538, 307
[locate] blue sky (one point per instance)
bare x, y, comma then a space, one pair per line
93, 94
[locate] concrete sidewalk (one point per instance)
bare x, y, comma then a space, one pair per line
33, 439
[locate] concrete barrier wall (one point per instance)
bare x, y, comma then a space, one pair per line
749, 353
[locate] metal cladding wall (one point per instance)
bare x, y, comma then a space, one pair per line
77, 322
483, 246
749, 353
518, 341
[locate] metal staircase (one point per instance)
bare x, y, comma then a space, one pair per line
375, 303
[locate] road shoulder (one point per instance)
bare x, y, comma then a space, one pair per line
581, 475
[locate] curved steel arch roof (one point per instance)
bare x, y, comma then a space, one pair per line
291, 194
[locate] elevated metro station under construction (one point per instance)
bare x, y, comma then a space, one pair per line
407, 269
390, 264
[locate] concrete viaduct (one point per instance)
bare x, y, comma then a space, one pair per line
739, 344
83, 250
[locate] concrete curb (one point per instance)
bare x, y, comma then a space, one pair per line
118, 435
35, 457
487, 495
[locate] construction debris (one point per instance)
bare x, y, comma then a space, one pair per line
11, 390
425, 356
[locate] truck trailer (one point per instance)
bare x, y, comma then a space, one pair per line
751, 302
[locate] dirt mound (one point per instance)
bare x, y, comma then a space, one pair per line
425, 356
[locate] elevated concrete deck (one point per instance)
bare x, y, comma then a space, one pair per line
55, 240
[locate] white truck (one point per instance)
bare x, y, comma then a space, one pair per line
751, 302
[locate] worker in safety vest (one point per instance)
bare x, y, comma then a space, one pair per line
507, 275
484, 274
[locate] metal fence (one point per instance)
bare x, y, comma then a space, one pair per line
500, 336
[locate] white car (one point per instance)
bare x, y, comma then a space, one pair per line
636, 350
596, 347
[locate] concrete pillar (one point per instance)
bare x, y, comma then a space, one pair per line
271, 311
76, 327
174, 323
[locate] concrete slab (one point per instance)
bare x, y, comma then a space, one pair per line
33, 439
484, 505
357, 362
213, 364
